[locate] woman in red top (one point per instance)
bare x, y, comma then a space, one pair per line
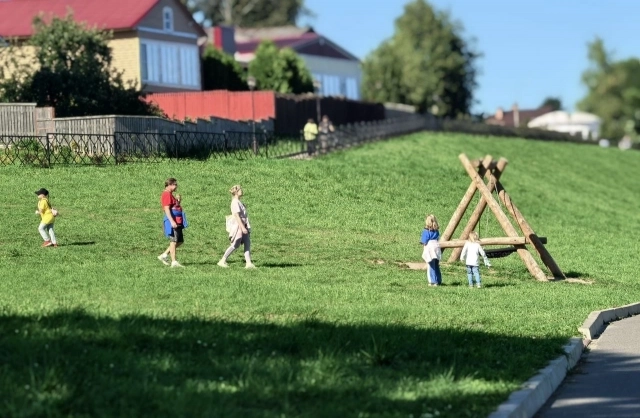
168, 202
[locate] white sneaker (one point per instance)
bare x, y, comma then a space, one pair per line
164, 258
223, 263
250, 266
176, 264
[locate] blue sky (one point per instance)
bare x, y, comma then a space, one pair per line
532, 49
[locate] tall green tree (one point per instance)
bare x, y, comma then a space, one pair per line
553, 102
221, 71
426, 63
249, 13
71, 71
281, 70
613, 91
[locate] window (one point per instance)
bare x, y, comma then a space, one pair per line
167, 19
168, 63
330, 85
352, 88
333, 86
343, 86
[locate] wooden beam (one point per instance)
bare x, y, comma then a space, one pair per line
537, 243
480, 207
459, 243
524, 254
481, 162
464, 203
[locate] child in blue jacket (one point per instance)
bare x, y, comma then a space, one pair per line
432, 252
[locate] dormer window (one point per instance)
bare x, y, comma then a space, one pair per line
167, 19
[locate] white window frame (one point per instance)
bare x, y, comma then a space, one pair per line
167, 19
170, 64
144, 60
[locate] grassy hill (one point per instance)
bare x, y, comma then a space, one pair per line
331, 323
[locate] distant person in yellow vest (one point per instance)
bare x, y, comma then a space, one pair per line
310, 135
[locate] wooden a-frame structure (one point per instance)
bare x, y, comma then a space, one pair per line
492, 170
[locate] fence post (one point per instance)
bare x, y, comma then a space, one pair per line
177, 141
48, 151
266, 143
115, 147
225, 145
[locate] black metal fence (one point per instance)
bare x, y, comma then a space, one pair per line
346, 136
132, 147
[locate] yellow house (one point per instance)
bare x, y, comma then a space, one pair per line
155, 42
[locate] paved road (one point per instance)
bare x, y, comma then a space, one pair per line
606, 382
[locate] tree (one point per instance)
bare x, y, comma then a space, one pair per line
221, 71
249, 13
553, 102
280, 70
297, 77
71, 71
426, 63
613, 91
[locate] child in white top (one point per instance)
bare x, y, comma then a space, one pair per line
470, 252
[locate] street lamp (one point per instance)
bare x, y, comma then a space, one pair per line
251, 82
317, 85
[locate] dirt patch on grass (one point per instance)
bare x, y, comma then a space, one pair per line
414, 266
581, 281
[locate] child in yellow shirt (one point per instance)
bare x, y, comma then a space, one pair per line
47, 218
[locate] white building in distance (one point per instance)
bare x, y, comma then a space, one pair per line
585, 124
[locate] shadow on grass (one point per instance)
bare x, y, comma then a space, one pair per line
76, 364
79, 243
575, 275
203, 263
280, 265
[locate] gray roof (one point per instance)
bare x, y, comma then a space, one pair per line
252, 34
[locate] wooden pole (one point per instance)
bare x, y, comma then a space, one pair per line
464, 203
458, 243
482, 204
545, 256
524, 254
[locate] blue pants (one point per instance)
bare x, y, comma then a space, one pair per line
433, 272
473, 271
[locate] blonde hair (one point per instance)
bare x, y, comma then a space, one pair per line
234, 190
431, 223
473, 236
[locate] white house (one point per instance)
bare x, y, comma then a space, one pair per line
337, 70
585, 124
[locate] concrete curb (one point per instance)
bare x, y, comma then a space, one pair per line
524, 403
595, 322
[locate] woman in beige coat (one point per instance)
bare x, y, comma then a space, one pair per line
239, 229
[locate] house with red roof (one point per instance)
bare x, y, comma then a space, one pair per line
338, 71
154, 44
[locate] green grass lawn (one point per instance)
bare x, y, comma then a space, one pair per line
330, 324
